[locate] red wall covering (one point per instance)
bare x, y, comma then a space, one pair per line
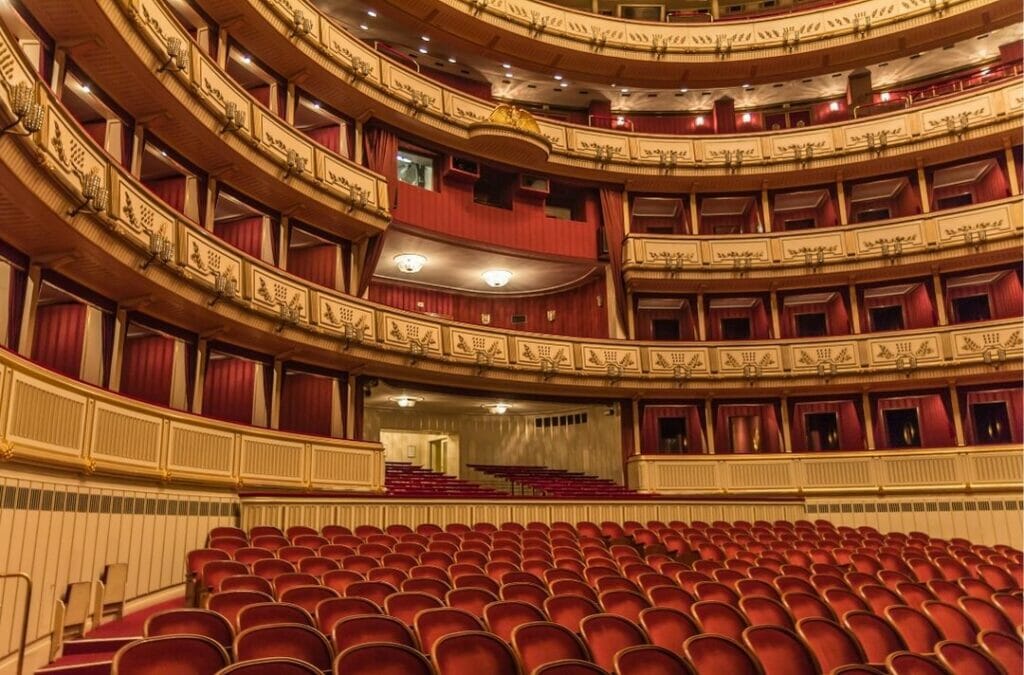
649, 427
451, 211
306, 403
171, 191
228, 389
147, 368
577, 313
245, 234
851, 431
934, 420
60, 337
318, 264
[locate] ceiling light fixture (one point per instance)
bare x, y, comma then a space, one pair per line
86, 88
700, 120
506, 66
886, 96
410, 263
508, 74
834, 106
364, 26
684, 90
451, 59
746, 118
425, 38
498, 408
404, 401
372, 13
558, 77
246, 59
423, 50
496, 278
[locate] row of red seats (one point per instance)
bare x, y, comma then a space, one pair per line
405, 480
541, 480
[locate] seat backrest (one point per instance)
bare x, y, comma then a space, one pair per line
670, 596
606, 634
841, 601
569, 610
1004, 648
523, 592
986, 615
503, 616
473, 653
473, 600
304, 643
435, 587
831, 644
668, 627
711, 653
308, 597
909, 663
432, 624
803, 605
625, 603
281, 666
780, 651
917, 630
720, 618
330, 611
191, 622
876, 636
966, 659
269, 613
186, 654
951, 621
650, 660
541, 642
229, 603
761, 611
247, 582
382, 659
569, 667
376, 591
370, 628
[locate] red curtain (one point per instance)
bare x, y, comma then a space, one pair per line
245, 234
329, 137
934, 420
576, 310
306, 403
15, 306
98, 131
918, 311
645, 322
992, 185
228, 389
834, 310
760, 324
60, 337
261, 94
649, 427
1014, 400
171, 191
615, 234
1004, 295
147, 368
851, 431
526, 226
381, 147
767, 423
318, 264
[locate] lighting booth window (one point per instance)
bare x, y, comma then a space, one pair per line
416, 169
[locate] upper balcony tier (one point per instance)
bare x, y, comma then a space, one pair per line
587, 46
349, 75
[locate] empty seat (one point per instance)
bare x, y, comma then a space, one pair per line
405, 605
281, 666
951, 621
917, 630
435, 587
1004, 649
780, 651
377, 591
650, 660
986, 615
907, 663
832, 645
433, 624
569, 667
382, 659
215, 571
523, 592
270, 613
624, 603
761, 611
538, 643
668, 627
272, 568
803, 605
304, 643
606, 634
205, 622
876, 636
331, 611
308, 597
247, 582
504, 616
966, 659
473, 600
713, 654
179, 654
369, 628
229, 603
473, 653
570, 610
670, 596
720, 618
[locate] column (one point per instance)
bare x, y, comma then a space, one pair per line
766, 208
787, 441
28, 313
202, 348
117, 351
702, 328
958, 422
922, 187
851, 290
1011, 167
869, 425
709, 427
275, 394
940, 299
844, 217
774, 304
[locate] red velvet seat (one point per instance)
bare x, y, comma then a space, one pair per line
272, 568
473, 653
606, 634
1004, 648
406, 604
308, 597
247, 582
339, 580
178, 654
359, 563
986, 615
780, 651
720, 655
205, 622
270, 613
229, 603
917, 630
216, 571
473, 600
294, 554
966, 659
650, 660
670, 596
952, 622
832, 645
250, 554
1010, 604
803, 605
377, 591
503, 616
668, 627
432, 624
908, 663
876, 636
720, 618
541, 642
523, 592
333, 610
761, 611
569, 667
624, 603
572, 587
382, 659
879, 598
369, 628
281, 666
304, 643
283, 582
439, 589
570, 610
389, 575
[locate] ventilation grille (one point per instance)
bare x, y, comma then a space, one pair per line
35, 499
918, 507
560, 420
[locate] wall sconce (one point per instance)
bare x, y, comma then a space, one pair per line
176, 53
301, 26
409, 263
94, 195
224, 286
289, 316
485, 319
234, 117
161, 249
293, 164
27, 112
552, 315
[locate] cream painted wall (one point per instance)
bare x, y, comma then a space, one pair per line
397, 443
594, 447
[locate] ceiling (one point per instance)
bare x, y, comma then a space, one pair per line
458, 267
543, 89
447, 403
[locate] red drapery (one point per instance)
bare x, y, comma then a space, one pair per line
934, 421
645, 322
989, 186
245, 234
306, 403
381, 147
147, 368
760, 325
576, 310
916, 304
1004, 295
15, 306
649, 427
767, 421
318, 264
837, 318
97, 130
1014, 400
329, 137
228, 389
626, 430
713, 221
823, 215
171, 191
261, 93
615, 234
851, 431
906, 202
60, 337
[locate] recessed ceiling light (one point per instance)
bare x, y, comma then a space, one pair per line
163, 153
563, 84
886, 96
700, 120
404, 401
423, 50
746, 118
558, 77
498, 408
364, 26
371, 12
86, 88
496, 278
506, 66
246, 59
451, 59
425, 38
625, 91
410, 263
684, 90
508, 74
833, 106
316, 105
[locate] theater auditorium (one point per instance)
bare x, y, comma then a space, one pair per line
511, 337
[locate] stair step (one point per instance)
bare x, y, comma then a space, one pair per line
97, 645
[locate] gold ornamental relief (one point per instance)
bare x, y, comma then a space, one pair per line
515, 117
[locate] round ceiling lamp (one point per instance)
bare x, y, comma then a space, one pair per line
405, 401
496, 278
498, 408
410, 263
